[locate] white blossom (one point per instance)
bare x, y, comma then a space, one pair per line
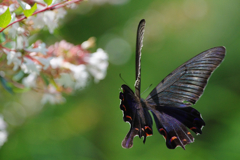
89, 43
24, 5
72, 5
13, 17
14, 57
38, 22
30, 80
97, 64
30, 67
41, 48
80, 74
65, 80
3, 9
44, 61
48, 18
56, 62
14, 30
52, 96
21, 42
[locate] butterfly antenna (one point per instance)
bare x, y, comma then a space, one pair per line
122, 78
146, 89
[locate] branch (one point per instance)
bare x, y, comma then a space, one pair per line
55, 6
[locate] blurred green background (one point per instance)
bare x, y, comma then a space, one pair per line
90, 126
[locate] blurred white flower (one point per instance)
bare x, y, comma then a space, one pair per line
13, 17
97, 64
65, 80
44, 61
72, 5
24, 5
21, 42
28, 66
41, 48
3, 9
14, 30
52, 96
48, 18
38, 22
80, 74
56, 62
14, 57
89, 43
30, 80
12, 7
3, 132
60, 13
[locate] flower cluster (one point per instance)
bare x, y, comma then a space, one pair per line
61, 67
49, 69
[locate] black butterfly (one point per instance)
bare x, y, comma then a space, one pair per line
170, 101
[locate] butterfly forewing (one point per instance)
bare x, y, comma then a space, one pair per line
184, 86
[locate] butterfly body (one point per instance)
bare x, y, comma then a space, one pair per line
171, 100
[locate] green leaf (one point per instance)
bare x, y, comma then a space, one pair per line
48, 2
2, 37
6, 85
18, 76
29, 12
54, 83
46, 81
18, 11
5, 18
20, 90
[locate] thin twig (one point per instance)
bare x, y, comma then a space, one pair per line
55, 6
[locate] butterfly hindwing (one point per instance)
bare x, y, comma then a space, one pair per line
137, 116
172, 123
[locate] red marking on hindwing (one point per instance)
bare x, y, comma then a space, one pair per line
165, 133
129, 117
173, 138
148, 134
124, 107
148, 128
193, 128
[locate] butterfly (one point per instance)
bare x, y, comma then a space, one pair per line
171, 100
